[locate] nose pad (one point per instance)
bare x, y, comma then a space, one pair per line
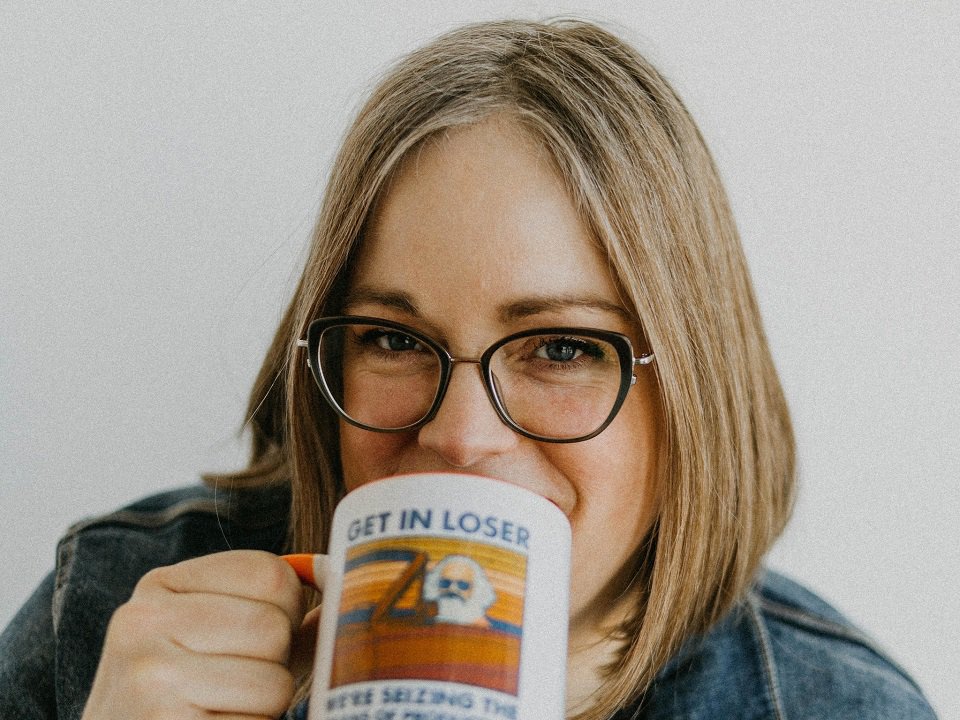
466, 428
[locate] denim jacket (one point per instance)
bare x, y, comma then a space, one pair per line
781, 654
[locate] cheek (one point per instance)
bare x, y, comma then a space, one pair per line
622, 462
617, 494
366, 456
616, 506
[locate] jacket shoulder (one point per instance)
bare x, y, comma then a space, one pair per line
783, 653
101, 559
250, 508
111, 552
820, 665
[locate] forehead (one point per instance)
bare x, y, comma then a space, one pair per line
479, 215
457, 567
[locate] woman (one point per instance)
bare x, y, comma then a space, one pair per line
505, 178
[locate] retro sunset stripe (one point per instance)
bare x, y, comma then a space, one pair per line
371, 568
470, 655
367, 584
490, 556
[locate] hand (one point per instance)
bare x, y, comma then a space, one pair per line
207, 636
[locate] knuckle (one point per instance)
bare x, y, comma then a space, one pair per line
156, 578
277, 635
282, 690
278, 583
133, 619
150, 675
154, 682
273, 630
275, 575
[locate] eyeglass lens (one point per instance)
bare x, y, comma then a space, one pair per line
557, 386
447, 583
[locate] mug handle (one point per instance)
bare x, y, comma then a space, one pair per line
312, 569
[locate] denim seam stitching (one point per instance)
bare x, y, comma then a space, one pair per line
840, 632
66, 552
148, 519
766, 652
813, 622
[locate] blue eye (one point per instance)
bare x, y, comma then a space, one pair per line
559, 351
567, 349
397, 342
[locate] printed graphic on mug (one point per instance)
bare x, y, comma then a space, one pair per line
430, 608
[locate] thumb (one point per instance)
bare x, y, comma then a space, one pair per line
303, 644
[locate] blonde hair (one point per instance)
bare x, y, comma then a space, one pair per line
644, 182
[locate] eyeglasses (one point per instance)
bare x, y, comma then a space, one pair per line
556, 384
447, 583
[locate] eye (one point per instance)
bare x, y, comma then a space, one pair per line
395, 341
558, 351
563, 349
386, 341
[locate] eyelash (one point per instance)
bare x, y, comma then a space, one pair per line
588, 350
369, 341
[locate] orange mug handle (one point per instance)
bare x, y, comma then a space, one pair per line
310, 568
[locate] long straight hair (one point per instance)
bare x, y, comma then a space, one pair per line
644, 183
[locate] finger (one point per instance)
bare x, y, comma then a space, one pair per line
226, 684
171, 679
228, 625
251, 574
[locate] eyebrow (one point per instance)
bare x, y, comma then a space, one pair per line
388, 298
507, 312
535, 305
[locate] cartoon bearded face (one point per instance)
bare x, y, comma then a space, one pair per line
461, 590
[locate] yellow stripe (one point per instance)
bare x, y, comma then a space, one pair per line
490, 556
366, 584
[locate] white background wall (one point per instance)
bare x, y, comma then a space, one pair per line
160, 165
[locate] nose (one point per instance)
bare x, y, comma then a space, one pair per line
466, 428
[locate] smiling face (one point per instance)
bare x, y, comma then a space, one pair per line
474, 239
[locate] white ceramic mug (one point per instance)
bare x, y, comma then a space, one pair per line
445, 598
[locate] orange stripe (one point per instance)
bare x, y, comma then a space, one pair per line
472, 655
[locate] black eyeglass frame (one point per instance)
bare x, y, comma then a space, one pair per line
620, 342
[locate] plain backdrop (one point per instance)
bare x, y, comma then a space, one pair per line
161, 164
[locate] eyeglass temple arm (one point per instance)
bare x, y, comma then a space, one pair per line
301, 343
642, 360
